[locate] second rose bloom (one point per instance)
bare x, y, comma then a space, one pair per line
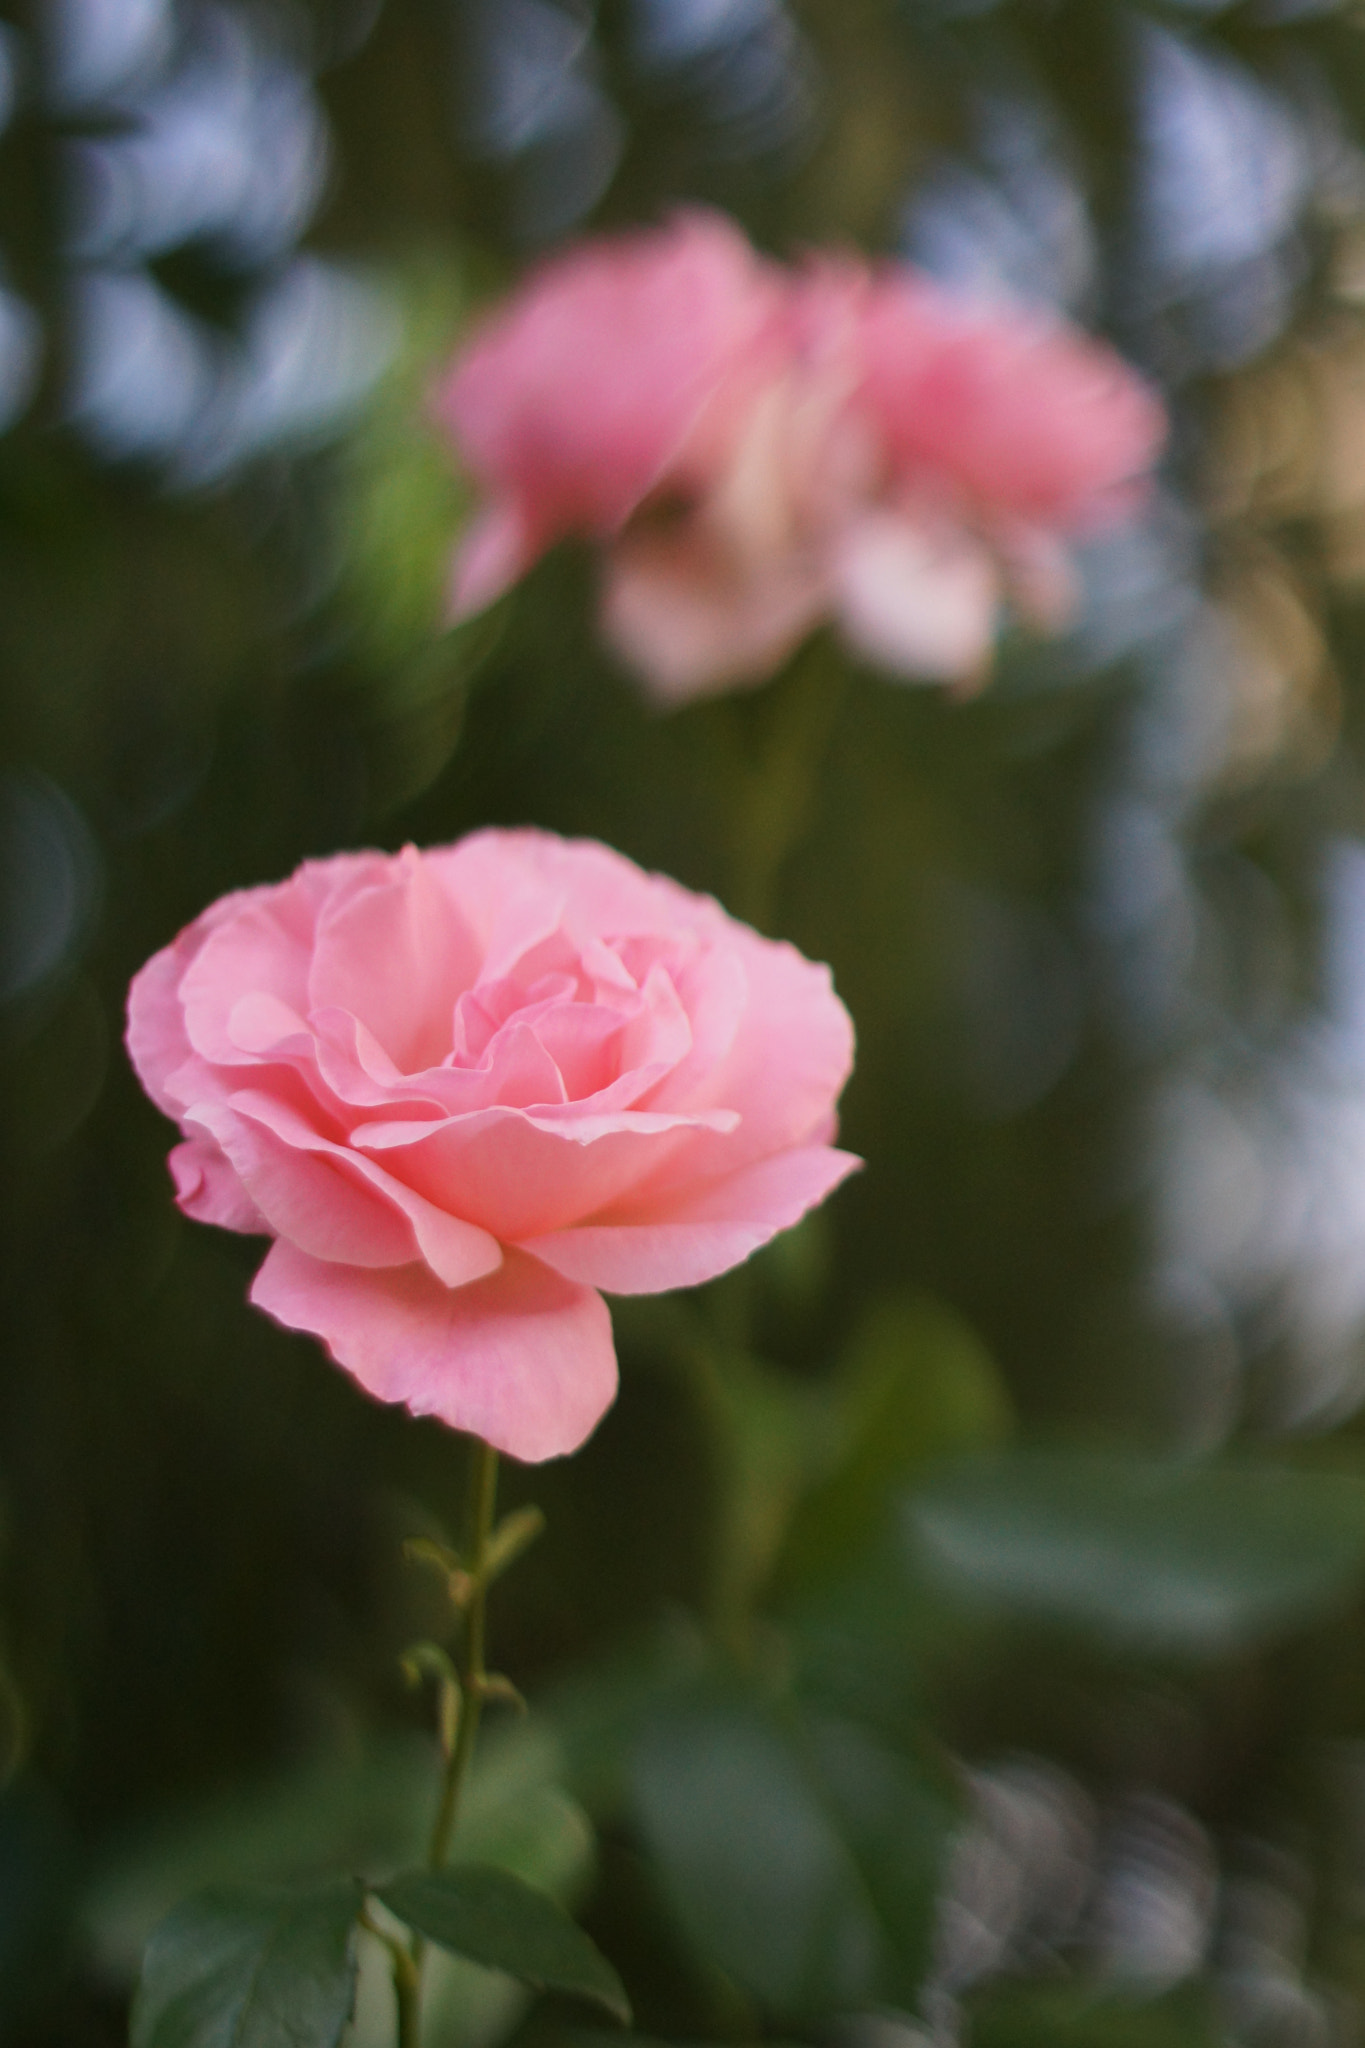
759, 448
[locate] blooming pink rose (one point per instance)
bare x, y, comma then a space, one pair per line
758, 449
464, 1089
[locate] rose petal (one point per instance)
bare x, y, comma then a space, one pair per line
649, 1044
397, 956
683, 1243
155, 1036
253, 953
692, 621
208, 1189
917, 599
523, 1359
261, 1024
495, 550
304, 1194
1028, 415
713, 985
337, 1203
519, 1174
572, 400
517, 889
791, 1054
358, 1074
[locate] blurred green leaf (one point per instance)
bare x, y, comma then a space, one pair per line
1157, 1554
492, 1918
1077, 2016
250, 1969
767, 1426
599, 1708
400, 501
915, 1383
800, 1853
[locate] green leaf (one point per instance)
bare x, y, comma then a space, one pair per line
250, 1968
397, 497
800, 1852
492, 1918
1156, 1554
365, 1812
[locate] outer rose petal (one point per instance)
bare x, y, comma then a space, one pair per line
157, 1039
523, 1359
704, 1233
207, 1188
791, 1053
541, 883
253, 951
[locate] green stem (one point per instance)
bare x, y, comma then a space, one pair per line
407, 1991
778, 784
407, 1982
473, 1675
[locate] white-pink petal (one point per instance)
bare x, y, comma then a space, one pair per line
693, 622
495, 550
918, 599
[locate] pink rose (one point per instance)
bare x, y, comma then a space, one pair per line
994, 435
464, 1089
1028, 419
758, 449
617, 368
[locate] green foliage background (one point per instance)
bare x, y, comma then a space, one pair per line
944, 1487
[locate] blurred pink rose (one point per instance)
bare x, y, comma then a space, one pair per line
463, 1089
992, 434
616, 368
1023, 415
758, 449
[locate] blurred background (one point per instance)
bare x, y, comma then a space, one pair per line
954, 1633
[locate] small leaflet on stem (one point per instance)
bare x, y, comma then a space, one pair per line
429, 1660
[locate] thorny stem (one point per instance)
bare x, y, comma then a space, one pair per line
470, 1664
407, 1962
